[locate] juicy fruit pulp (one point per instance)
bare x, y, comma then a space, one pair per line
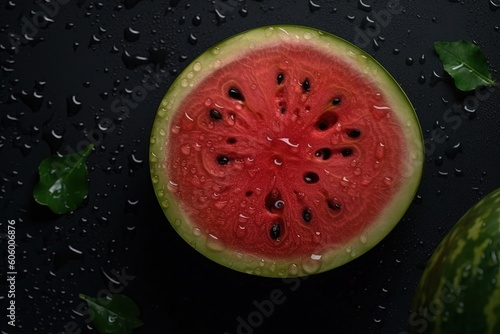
459, 291
285, 151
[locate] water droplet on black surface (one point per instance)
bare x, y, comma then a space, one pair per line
94, 40
220, 17
196, 20
192, 39
131, 35
452, 152
421, 78
74, 105
364, 5
421, 60
243, 12
313, 6
494, 5
10, 5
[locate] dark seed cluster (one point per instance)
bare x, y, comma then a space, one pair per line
274, 202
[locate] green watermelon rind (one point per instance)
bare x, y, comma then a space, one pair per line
228, 51
459, 291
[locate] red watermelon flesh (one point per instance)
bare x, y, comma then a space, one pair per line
286, 153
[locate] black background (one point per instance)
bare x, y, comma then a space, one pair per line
85, 52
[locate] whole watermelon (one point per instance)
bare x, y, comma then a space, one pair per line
459, 291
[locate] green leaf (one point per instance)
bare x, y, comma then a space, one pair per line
117, 314
465, 63
63, 181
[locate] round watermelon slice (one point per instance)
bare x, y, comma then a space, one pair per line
285, 151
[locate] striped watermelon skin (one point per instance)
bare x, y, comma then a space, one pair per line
459, 291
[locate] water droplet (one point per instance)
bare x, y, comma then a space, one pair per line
10, 5
380, 151
421, 78
452, 152
364, 6
131, 34
196, 20
186, 149
409, 61
75, 250
494, 5
313, 7
312, 264
421, 60
94, 40
221, 18
293, 269
243, 12
192, 39
214, 243
197, 66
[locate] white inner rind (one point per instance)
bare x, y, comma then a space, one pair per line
234, 48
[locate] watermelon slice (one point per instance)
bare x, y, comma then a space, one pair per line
285, 151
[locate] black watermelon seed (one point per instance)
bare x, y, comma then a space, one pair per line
306, 85
324, 153
333, 205
354, 133
275, 231
311, 177
215, 114
336, 101
222, 160
307, 215
326, 121
231, 140
235, 94
280, 78
249, 193
346, 152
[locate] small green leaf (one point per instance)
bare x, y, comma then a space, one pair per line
117, 314
63, 181
465, 63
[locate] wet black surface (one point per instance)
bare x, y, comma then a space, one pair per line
99, 70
